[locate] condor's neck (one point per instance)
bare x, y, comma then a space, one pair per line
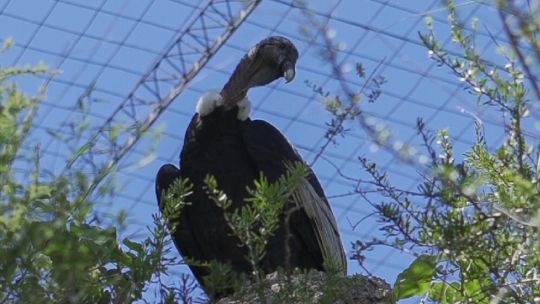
239, 83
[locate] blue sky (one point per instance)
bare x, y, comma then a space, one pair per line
108, 45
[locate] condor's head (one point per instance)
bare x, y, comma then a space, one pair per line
270, 59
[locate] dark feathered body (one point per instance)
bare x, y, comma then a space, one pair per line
234, 152
223, 142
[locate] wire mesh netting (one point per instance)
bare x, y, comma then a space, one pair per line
132, 64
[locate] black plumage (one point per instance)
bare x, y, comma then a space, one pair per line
222, 141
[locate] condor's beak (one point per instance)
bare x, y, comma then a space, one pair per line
289, 75
288, 71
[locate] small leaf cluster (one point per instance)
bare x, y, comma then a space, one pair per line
173, 200
256, 221
54, 247
259, 217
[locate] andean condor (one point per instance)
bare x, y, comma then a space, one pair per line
221, 140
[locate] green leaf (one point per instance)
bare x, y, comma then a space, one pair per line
416, 279
134, 246
40, 192
445, 293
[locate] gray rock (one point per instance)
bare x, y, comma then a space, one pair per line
314, 287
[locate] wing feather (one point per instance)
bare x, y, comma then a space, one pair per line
319, 212
272, 154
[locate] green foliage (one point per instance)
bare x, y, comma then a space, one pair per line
474, 220
174, 200
416, 279
255, 222
52, 250
479, 218
221, 277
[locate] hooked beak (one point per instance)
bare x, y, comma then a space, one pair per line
287, 64
288, 71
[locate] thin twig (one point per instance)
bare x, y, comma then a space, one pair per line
515, 46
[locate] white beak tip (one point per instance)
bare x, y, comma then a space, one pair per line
289, 75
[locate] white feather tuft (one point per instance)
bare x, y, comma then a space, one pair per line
208, 102
244, 109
